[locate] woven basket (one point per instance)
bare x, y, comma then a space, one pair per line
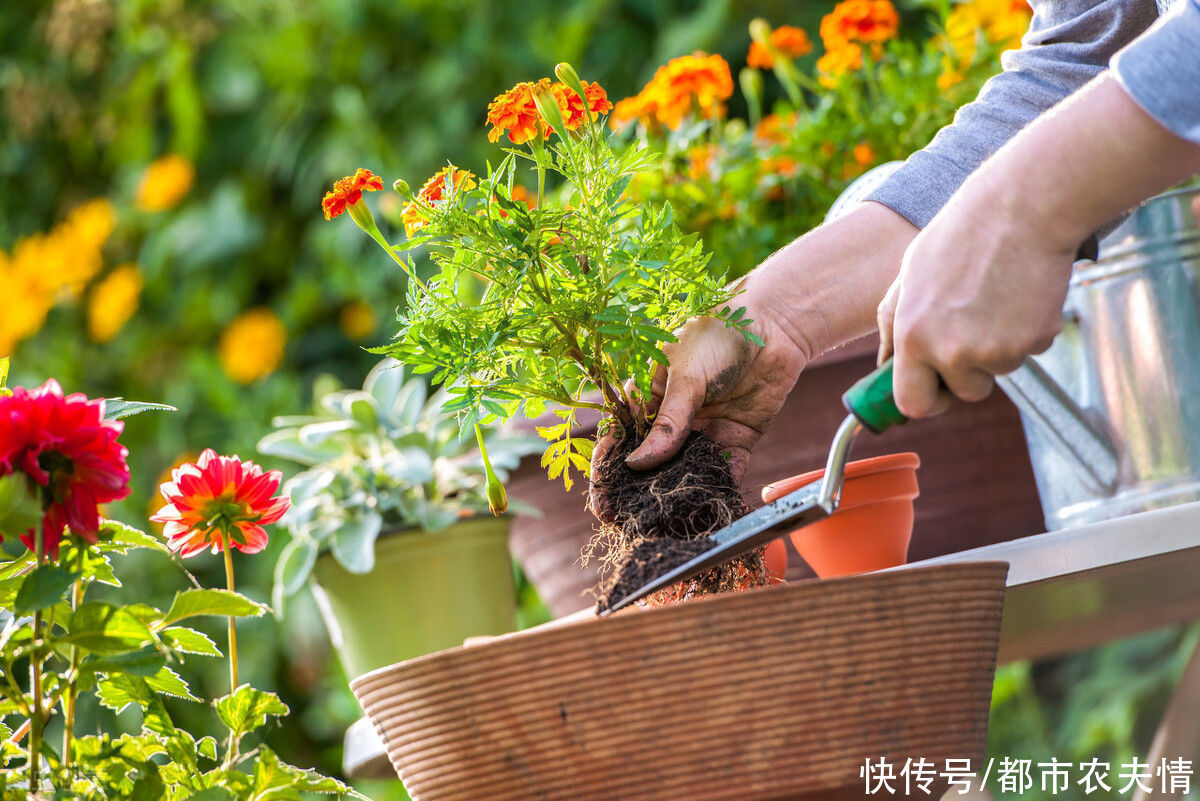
772, 694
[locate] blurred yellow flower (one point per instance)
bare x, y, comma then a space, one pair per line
23, 304
114, 300
251, 347
1002, 23
844, 58
357, 320
164, 183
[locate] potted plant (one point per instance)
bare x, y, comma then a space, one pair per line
388, 519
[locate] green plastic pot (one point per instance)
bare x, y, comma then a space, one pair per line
428, 591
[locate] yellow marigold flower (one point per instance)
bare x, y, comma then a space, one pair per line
23, 304
860, 22
433, 193
837, 62
114, 300
1002, 22
793, 42
92, 223
164, 183
357, 320
251, 347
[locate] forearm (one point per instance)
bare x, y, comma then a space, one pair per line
825, 286
1091, 159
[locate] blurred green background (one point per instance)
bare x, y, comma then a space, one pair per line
267, 102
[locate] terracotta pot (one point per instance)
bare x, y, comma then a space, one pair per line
780, 693
977, 487
873, 524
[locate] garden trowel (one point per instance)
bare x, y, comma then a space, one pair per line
870, 405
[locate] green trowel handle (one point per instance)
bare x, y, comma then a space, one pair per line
872, 402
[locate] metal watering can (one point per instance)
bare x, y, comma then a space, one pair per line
1109, 411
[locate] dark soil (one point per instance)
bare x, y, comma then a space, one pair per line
656, 520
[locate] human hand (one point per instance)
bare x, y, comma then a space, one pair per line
978, 291
815, 294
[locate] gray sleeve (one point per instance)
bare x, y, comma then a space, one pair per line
1161, 70
1069, 42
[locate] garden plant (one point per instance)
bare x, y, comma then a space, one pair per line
60, 457
553, 302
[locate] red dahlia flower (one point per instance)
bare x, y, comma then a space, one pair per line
219, 497
70, 451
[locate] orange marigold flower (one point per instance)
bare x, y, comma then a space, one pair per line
514, 113
631, 108
863, 154
219, 501
348, 191
837, 62
522, 195
793, 42
696, 82
774, 127
434, 192
699, 161
861, 22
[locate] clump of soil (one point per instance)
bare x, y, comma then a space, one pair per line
656, 520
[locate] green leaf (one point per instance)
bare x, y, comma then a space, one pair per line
211, 794
168, 682
120, 690
98, 626
277, 780
207, 747
45, 586
247, 709
145, 662
116, 532
4, 372
20, 509
192, 603
189, 641
295, 564
116, 408
354, 542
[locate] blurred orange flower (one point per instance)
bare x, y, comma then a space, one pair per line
793, 42
774, 127
348, 191
435, 191
836, 62
860, 22
698, 82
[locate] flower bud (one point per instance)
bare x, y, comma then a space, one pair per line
760, 31
496, 495
547, 106
566, 73
752, 84
402, 188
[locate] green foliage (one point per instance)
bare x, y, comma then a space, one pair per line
550, 304
127, 655
381, 458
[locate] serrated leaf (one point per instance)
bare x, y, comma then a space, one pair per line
211, 794
207, 747
145, 662
247, 709
116, 408
168, 682
276, 779
194, 603
189, 641
125, 534
97, 626
45, 586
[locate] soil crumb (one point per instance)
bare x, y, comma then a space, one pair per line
659, 519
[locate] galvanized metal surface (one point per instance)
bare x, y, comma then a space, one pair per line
1129, 354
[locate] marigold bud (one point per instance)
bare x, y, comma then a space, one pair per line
547, 106
566, 73
402, 188
752, 84
496, 494
760, 31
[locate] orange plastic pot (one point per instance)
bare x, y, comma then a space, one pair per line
873, 524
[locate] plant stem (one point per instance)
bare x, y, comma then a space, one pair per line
73, 686
383, 243
36, 721
233, 652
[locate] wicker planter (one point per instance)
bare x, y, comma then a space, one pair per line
773, 694
977, 487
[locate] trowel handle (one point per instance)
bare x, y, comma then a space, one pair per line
872, 402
